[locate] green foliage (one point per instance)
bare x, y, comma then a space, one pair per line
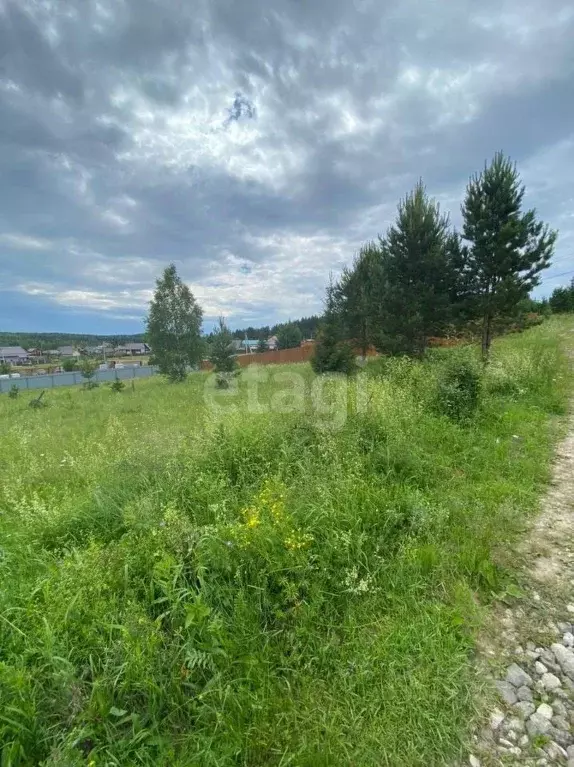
222, 356
358, 295
14, 392
55, 340
185, 587
5, 368
117, 385
423, 280
507, 248
562, 299
418, 277
459, 388
262, 346
69, 364
332, 353
174, 326
88, 368
38, 402
289, 336
307, 325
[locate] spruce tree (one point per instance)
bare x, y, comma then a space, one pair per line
355, 294
174, 326
332, 353
222, 356
418, 276
507, 248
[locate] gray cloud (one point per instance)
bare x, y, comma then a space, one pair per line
257, 144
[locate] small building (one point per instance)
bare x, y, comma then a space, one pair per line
13, 355
68, 351
249, 345
132, 350
99, 349
244, 346
272, 343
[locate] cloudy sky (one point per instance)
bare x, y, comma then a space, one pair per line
256, 143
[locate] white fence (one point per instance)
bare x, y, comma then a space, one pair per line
53, 380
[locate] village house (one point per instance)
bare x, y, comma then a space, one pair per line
132, 350
13, 355
68, 351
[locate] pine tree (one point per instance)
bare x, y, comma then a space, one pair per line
418, 276
262, 346
221, 355
174, 326
355, 294
332, 353
507, 248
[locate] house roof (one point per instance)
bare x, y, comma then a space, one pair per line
12, 351
250, 342
66, 350
134, 347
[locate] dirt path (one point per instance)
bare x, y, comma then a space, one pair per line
528, 652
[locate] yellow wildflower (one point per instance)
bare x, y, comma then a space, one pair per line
252, 518
298, 540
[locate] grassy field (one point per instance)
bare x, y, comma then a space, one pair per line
184, 585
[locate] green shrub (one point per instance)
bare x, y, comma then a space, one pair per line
334, 358
117, 385
69, 364
459, 387
14, 392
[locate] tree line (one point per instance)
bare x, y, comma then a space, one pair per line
421, 279
562, 299
174, 333
47, 341
424, 278
307, 327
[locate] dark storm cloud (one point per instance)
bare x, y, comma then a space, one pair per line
257, 144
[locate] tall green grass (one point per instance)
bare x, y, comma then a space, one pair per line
180, 587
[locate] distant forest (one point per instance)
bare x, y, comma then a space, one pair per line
53, 340
307, 325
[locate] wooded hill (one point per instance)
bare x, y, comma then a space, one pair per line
53, 340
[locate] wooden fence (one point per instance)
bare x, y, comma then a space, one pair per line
279, 357
301, 353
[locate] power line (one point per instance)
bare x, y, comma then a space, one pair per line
556, 276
